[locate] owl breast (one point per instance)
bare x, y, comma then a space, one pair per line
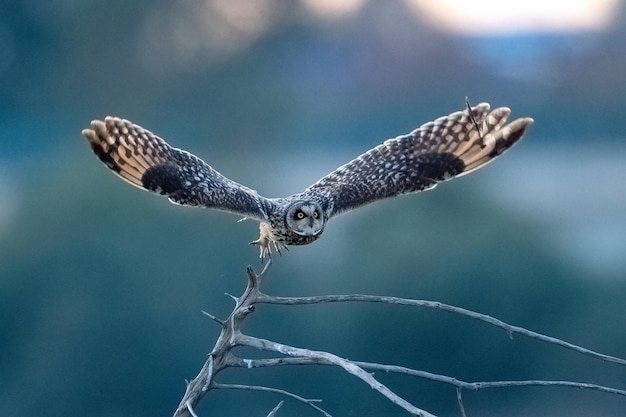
278, 237
291, 238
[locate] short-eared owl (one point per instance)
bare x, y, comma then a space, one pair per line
448, 147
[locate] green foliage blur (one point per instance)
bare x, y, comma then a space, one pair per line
102, 285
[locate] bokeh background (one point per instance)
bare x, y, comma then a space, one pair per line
102, 286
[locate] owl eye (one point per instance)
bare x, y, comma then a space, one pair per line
300, 215
315, 214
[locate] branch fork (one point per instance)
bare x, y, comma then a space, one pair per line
231, 336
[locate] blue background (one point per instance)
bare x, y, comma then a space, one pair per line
102, 286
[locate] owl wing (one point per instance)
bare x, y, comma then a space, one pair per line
146, 161
440, 150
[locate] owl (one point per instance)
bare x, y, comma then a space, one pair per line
445, 148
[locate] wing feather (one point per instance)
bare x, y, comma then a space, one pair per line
440, 150
146, 161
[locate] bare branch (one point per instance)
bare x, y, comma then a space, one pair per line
459, 384
474, 386
349, 366
584, 385
459, 400
221, 356
212, 317
309, 402
190, 408
268, 299
275, 409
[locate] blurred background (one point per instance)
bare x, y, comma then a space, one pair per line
102, 285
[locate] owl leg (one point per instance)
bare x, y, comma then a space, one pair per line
263, 241
266, 243
265, 247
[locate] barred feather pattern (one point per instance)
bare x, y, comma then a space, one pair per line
146, 161
437, 151
440, 150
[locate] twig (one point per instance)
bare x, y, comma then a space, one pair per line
190, 408
584, 385
349, 366
306, 401
269, 299
212, 317
275, 409
475, 386
459, 400
459, 384
473, 117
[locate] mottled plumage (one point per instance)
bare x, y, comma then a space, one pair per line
448, 147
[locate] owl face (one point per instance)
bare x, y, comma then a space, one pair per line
305, 218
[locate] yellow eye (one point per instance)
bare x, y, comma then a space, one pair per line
315, 214
300, 215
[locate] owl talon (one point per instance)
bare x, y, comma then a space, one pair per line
263, 248
265, 252
266, 245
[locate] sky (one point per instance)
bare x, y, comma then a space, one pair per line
497, 17
494, 17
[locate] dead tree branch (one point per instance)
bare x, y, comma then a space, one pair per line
510, 329
458, 383
328, 358
231, 336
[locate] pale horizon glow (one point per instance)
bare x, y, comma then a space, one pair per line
495, 17
333, 8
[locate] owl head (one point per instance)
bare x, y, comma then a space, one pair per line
305, 218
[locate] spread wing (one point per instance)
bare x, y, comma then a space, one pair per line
146, 161
446, 148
